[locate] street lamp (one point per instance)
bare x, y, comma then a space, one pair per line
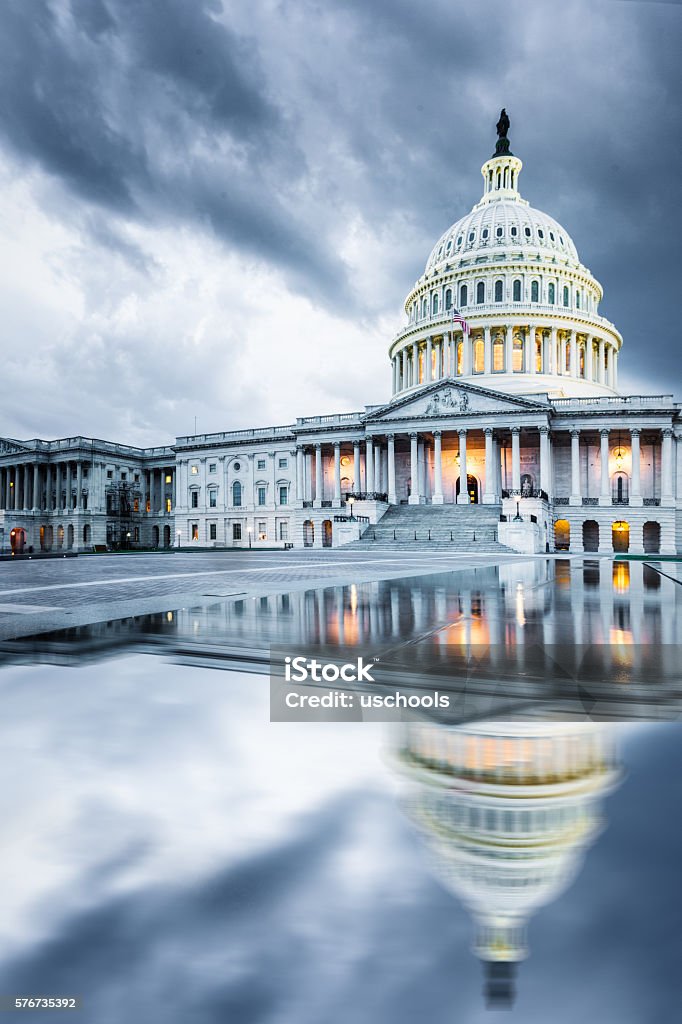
178, 534
350, 502
249, 531
128, 539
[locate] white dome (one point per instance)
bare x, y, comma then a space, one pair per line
498, 227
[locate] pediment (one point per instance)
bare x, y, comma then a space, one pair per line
453, 398
9, 447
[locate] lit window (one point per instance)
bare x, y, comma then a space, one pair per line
168, 505
212, 531
460, 356
169, 478
479, 357
136, 505
212, 467
498, 355
517, 354
261, 495
212, 499
194, 470
195, 531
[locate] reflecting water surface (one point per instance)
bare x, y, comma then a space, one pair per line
171, 855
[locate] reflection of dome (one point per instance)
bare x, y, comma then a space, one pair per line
507, 809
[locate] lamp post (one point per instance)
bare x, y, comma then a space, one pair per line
249, 531
128, 540
350, 502
178, 534
518, 518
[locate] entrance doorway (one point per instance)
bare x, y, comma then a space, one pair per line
562, 535
620, 533
326, 533
652, 538
472, 488
17, 539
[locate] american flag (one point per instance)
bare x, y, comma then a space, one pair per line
457, 318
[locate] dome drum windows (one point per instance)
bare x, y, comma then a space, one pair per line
516, 291
434, 304
479, 355
551, 293
463, 295
498, 354
518, 354
534, 291
480, 293
499, 291
566, 295
448, 298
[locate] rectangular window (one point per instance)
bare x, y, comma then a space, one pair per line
284, 531
195, 531
136, 505
110, 474
148, 506
283, 463
212, 499
261, 495
261, 463
137, 478
169, 478
236, 531
212, 466
212, 531
124, 476
168, 505
194, 470
195, 499
136, 534
262, 531
283, 495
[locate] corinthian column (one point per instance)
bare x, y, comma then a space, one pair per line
414, 471
437, 497
636, 487
463, 496
391, 470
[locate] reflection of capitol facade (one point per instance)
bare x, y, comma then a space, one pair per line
507, 427
507, 810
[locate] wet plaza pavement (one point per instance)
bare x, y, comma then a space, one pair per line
171, 855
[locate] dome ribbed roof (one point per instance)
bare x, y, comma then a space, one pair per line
499, 225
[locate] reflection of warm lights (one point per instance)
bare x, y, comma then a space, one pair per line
620, 637
169, 616
353, 599
621, 577
520, 612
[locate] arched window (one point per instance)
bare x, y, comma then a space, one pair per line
516, 294
498, 354
236, 493
582, 360
480, 292
538, 355
517, 354
424, 307
434, 304
448, 298
534, 291
567, 360
577, 300
551, 294
565, 295
479, 356
619, 489
498, 291
514, 231
460, 356
463, 295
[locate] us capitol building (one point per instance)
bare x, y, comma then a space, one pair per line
505, 426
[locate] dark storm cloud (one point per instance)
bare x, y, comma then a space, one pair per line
157, 110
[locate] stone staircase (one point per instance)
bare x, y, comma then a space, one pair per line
468, 528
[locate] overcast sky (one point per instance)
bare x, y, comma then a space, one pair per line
216, 210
